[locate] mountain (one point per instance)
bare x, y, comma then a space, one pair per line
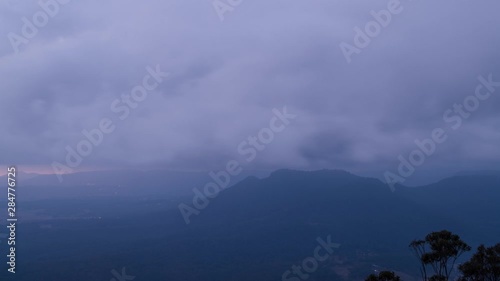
471, 199
259, 228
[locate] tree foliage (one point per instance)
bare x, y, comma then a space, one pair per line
383, 276
438, 252
484, 265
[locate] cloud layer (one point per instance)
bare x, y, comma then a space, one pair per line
227, 76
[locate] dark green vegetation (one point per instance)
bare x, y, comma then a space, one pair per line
255, 230
484, 265
438, 254
383, 276
439, 251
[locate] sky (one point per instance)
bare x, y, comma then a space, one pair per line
217, 72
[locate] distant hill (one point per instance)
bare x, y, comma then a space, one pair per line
472, 200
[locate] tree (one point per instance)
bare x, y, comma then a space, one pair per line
439, 251
383, 276
483, 265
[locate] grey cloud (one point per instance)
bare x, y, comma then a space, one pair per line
227, 76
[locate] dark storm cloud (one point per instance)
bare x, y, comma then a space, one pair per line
226, 77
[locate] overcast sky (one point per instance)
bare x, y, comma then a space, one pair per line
225, 78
